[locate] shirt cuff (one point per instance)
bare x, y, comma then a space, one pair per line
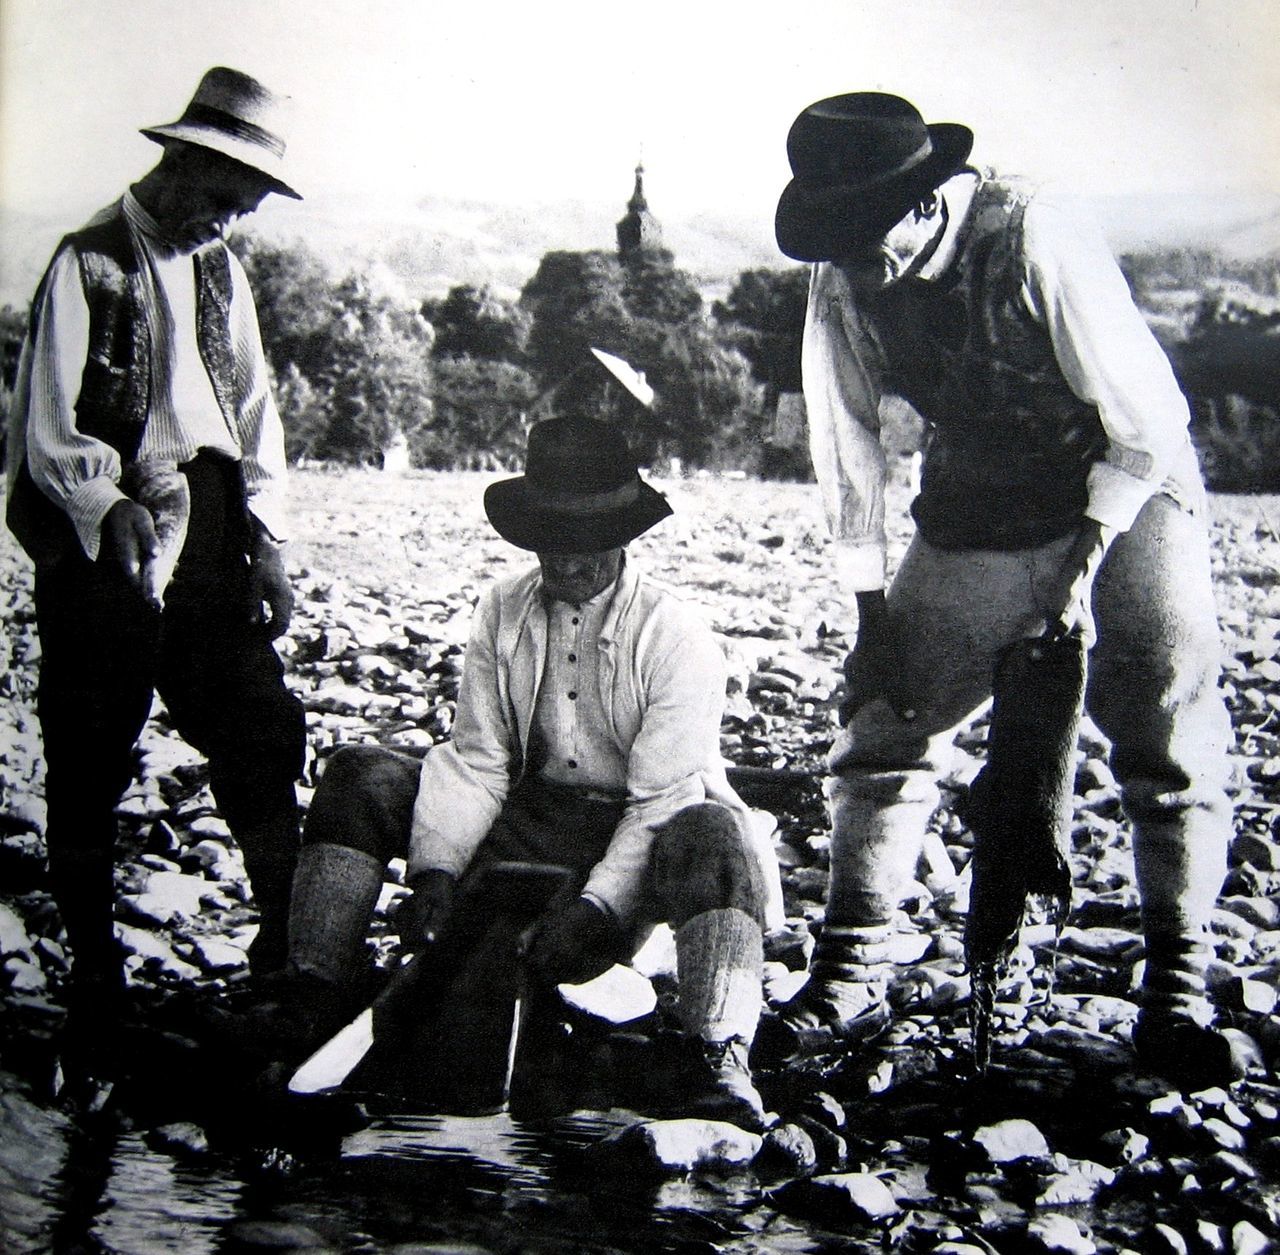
87, 506
1116, 497
596, 900
270, 510
860, 565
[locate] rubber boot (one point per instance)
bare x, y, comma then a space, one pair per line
719, 965
842, 1005
1174, 1036
335, 889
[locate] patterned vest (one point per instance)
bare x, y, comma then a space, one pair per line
1009, 444
115, 386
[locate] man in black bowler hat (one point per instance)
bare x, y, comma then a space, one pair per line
1059, 491
586, 736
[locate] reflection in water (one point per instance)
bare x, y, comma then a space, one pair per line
404, 1183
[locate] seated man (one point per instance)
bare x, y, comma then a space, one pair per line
587, 735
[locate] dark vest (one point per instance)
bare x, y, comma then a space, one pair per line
115, 386
1009, 444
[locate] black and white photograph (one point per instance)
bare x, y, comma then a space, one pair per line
643, 628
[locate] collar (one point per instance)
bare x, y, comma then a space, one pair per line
957, 192
151, 231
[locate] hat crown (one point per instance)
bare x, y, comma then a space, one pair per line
857, 137
578, 456
235, 102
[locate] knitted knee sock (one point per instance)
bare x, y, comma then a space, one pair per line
334, 892
719, 963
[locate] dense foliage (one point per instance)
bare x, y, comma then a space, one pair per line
457, 379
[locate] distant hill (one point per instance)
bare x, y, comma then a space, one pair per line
426, 248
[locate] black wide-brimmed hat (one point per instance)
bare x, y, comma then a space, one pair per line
581, 491
235, 115
861, 162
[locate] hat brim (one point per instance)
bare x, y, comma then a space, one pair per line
525, 522
818, 222
246, 153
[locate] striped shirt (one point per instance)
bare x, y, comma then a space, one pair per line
81, 474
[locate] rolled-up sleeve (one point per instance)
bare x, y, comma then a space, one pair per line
1109, 358
261, 433
682, 674
78, 473
842, 398
464, 781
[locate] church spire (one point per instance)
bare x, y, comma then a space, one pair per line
638, 230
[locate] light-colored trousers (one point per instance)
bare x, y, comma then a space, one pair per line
1153, 691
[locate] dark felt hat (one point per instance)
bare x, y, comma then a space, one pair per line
581, 491
861, 162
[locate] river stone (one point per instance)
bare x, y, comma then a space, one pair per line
674, 1146
217, 955
1078, 1182
787, 1151
179, 1138
1223, 1134
1010, 1140
1166, 1240
25, 976
13, 932
1248, 1239
1058, 1234
839, 1199
1126, 1146
166, 896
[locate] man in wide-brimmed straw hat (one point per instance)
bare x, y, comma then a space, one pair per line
146, 477
586, 736
1057, 469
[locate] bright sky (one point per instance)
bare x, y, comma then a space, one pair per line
512, 100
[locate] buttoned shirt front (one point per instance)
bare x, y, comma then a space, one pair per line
657, 697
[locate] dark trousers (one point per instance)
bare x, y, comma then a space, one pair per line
104, 652
700, 860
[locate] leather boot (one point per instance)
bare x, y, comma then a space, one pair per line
719, 964
842, 1005
1175, 1036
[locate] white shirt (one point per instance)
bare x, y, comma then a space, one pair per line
81, 474
1107, 354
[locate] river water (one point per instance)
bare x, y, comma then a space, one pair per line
404, 1184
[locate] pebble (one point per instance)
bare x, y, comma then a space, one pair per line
1010, 1140
842, 1200
674, 1146
1055, 1233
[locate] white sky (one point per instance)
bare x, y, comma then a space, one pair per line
521, 100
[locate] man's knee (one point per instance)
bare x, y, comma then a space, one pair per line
702, 861
364, 800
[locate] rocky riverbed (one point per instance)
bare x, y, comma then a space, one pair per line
1063, 1146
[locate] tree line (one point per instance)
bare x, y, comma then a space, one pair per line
457, 379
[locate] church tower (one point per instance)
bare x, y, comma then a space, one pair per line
638, 230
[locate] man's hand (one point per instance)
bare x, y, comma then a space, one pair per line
129, 538
869, 664
423, 914
1064, 603
571, 944
269, 584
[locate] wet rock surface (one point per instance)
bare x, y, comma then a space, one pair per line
1064, 1145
